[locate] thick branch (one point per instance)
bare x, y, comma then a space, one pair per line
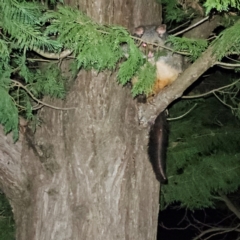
148, 113
229, 204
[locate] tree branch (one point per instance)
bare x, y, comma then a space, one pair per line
218, 230
229, 204
148, 112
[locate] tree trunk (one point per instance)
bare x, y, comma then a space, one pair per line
127, 13
85, 173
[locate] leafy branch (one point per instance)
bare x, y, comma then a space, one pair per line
233, 88
203, 155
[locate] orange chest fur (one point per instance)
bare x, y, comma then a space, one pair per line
165, 75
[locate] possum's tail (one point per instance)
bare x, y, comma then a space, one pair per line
158, 139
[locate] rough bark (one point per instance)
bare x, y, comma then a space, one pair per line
127, 13
11, 182
84, 174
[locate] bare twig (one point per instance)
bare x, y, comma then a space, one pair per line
228, 65
173, 30
177, 118
218, 230
229, 204
210, 92
18, 84
192, 26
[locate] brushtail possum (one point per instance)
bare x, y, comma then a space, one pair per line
168, 67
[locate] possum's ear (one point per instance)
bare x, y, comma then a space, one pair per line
139, 31
161, 29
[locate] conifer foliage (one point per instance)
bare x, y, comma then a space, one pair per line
203, 156
30, 33
29, 29
20, 76
7, 226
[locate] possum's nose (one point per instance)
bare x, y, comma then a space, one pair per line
150, 54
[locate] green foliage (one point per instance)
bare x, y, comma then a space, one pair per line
228, 41
29, 26
177, 11
21, 22
194, 47
221, 5
95, 46
7, 230
20, 81
203, 156
8, 113
145, 80
48, 82
132, 64
173, 11
19, 78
